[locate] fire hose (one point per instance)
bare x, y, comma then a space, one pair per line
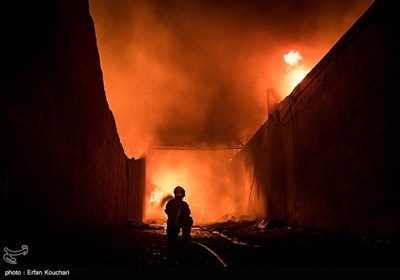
212, 252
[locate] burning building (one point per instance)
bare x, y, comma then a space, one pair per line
328, 158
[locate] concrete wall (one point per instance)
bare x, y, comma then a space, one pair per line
62, 163
335, 139
136, 171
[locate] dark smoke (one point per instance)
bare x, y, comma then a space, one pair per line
164, 200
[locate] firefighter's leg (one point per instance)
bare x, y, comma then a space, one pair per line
187, 224
172, 232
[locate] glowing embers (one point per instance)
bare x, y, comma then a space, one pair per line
295, 71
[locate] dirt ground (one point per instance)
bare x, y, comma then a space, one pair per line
244, 248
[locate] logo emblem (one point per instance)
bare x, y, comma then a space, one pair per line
10, 255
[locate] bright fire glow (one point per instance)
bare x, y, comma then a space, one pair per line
292, 58
296, 71
206, 177
153, 197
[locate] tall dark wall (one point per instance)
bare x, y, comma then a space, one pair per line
265, 177
62, 163
340, 136
136, 171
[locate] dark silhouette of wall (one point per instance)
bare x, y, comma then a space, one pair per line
62, 163
136, 172
335, 138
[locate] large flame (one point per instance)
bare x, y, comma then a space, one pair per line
296, 71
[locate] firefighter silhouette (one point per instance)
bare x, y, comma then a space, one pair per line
179, 218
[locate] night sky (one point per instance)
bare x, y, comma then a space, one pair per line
196, 72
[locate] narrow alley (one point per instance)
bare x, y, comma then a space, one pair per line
110, 110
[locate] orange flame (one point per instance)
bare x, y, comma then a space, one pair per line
153, 197
295, 71
292, 58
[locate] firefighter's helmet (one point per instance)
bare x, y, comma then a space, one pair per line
179, 191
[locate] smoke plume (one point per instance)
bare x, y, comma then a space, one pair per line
196, 72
